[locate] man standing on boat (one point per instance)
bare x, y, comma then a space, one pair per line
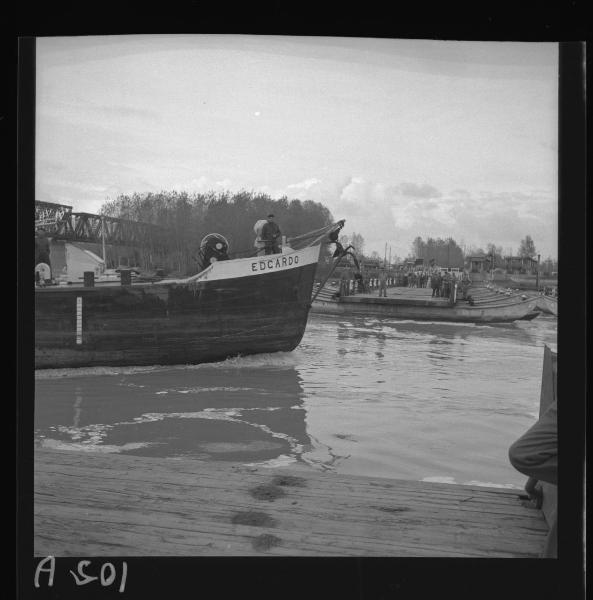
270, 234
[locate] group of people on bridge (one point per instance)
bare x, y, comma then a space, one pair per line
442, 283
417, 279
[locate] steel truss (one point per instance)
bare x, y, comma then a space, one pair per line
62, 224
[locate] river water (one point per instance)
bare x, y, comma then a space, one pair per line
365, 396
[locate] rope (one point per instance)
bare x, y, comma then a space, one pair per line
314, 232
315, 236
318, 234
336, 263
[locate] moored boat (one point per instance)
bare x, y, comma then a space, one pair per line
233, 307
548, 304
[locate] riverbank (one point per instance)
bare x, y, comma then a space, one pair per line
525, 282
93, 504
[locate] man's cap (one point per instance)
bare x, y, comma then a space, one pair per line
270, 215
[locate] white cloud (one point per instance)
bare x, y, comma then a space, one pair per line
385, 133
203, 184
396, 213
415, 190
305, 185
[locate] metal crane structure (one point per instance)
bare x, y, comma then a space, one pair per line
61, 223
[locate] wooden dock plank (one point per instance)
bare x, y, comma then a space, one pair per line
475, 509
93, 505
202, 479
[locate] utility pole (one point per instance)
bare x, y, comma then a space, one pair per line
103, 239
385, 257
537, 274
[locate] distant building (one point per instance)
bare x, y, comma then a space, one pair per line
478, 264
521, 264
372, 263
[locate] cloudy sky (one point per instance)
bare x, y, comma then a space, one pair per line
399, 137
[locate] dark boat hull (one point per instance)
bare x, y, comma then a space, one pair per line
176, 322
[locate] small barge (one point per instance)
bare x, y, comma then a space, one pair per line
481, 306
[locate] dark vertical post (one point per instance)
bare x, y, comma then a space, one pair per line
103, 239
24, 353
572, 361
126, 276
89, 279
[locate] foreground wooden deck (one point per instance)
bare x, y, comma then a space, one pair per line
113, 505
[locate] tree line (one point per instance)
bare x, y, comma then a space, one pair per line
187, 218
446, 252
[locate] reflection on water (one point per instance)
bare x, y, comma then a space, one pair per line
364, 396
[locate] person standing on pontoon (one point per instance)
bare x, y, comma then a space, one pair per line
383, 283
435, 283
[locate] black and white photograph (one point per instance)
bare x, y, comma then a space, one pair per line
295, 296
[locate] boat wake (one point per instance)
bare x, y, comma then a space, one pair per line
53, 444
43, 374
272, 360
90, 438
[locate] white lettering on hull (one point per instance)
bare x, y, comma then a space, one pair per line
249, 267
271, 264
